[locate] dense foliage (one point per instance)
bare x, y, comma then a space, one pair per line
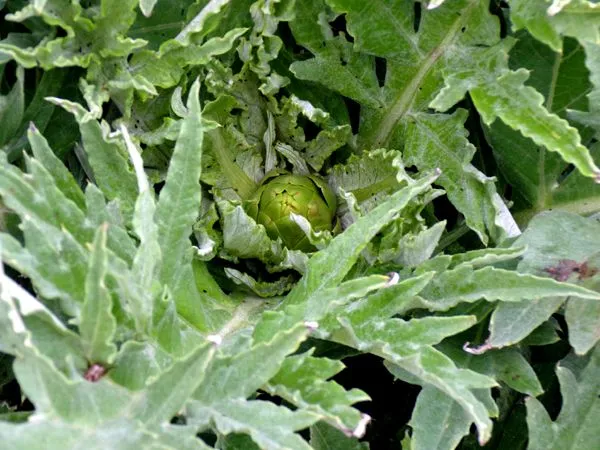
279, 224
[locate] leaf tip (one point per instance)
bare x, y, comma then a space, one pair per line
215, 339
361, 428
555, 8
311, 325
393, 279
477, 350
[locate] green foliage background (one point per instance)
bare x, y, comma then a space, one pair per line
141, 307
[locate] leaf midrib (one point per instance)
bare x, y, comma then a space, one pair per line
403, 102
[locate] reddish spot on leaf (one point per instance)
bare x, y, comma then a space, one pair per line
566, 267
94, 373
586, 271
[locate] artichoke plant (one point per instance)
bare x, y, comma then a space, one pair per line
280, 195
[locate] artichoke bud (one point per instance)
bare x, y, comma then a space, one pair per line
280, 195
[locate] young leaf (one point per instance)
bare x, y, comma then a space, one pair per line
179, 200
97, 325
138, 362
31, 327
176, 213
148, 257
64, 281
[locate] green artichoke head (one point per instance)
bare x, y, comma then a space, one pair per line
280, 195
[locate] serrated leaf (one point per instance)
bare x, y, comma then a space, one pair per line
239, 375
317, 307
498, 92
407, 344
271, 427
437, 421
63, 178
326, 437
329, 266
368, 176
430, 367
381, 304
393, 112
64, 281
166, 67
575, 426
440, 141
32, 327
464, 284
77, 401
167, 395
529, 117
97, 325
89, 36
358, 80
512, 322
176, 213
137, 363
548, 23
302, 380
554, 239
106, 157
124, 434
544, 184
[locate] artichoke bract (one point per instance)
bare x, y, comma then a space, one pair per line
280, 195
